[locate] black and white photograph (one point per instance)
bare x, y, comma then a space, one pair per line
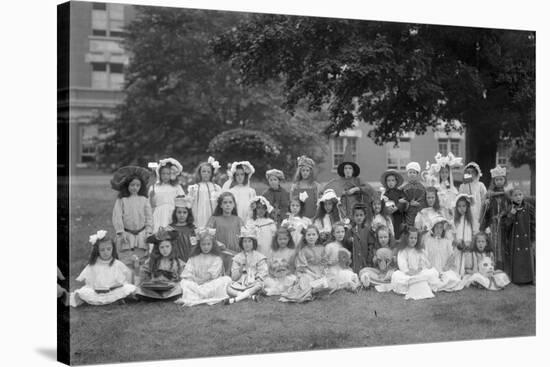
241, 183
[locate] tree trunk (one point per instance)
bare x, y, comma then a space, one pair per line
533, 169
481, 147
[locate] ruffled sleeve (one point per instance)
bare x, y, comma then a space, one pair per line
262, 268
189, 269
118, 223
123, 273
236, 265
86, 275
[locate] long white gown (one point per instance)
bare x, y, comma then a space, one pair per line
203, 281
162, 201
103, 276
204, 202
243, 195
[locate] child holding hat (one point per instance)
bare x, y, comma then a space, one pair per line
277, 196
391, 180
473, 187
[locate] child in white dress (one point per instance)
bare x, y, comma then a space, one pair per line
164, 192
465, 226
265, 226
280, 263
203, 280
239, 185
415, 278
107, 279
132, 214
473, 187
248, 270
381, 216
425, 217
384, 261
327, 214
204, 192
440, 253
296, 221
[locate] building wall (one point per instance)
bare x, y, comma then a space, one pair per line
372, 158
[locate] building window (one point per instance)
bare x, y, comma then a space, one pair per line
339, 145
107, 75
445, 146
107, 20
88, 143
398, 155
503, 153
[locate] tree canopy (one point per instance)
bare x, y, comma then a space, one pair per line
397, 77
179, 98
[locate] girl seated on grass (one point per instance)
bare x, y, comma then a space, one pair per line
384, 260
249, 269
202, 279
160, 275
415, 278
107, 278
280, 263
338, 259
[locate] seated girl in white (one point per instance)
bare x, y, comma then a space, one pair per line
415, 278
107, 279
248, 270
440, 253
160, 275
265, 226
203, 279
339, 274
280, 263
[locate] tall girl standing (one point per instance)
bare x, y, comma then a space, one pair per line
132, 214
239, 185
164, 192
495, 206
447, 191
304, 181
465, 226
203, 192
228, 225
473, 187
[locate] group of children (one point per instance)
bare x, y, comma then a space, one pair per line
226, 244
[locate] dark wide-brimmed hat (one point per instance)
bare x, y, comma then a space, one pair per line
348, 160
124, 174
391, 172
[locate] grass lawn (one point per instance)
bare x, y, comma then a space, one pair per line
138, 331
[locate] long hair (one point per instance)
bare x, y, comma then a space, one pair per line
302, 206
281, 230
155, 257
451, 180
437, 205
215, 248
467, 215
95, 251
219, 211
391, 240
198, 177
303, 242
234, 181
169, 167
190, 218
384, 211
321, 211
488, 248
404, 240
125, 192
